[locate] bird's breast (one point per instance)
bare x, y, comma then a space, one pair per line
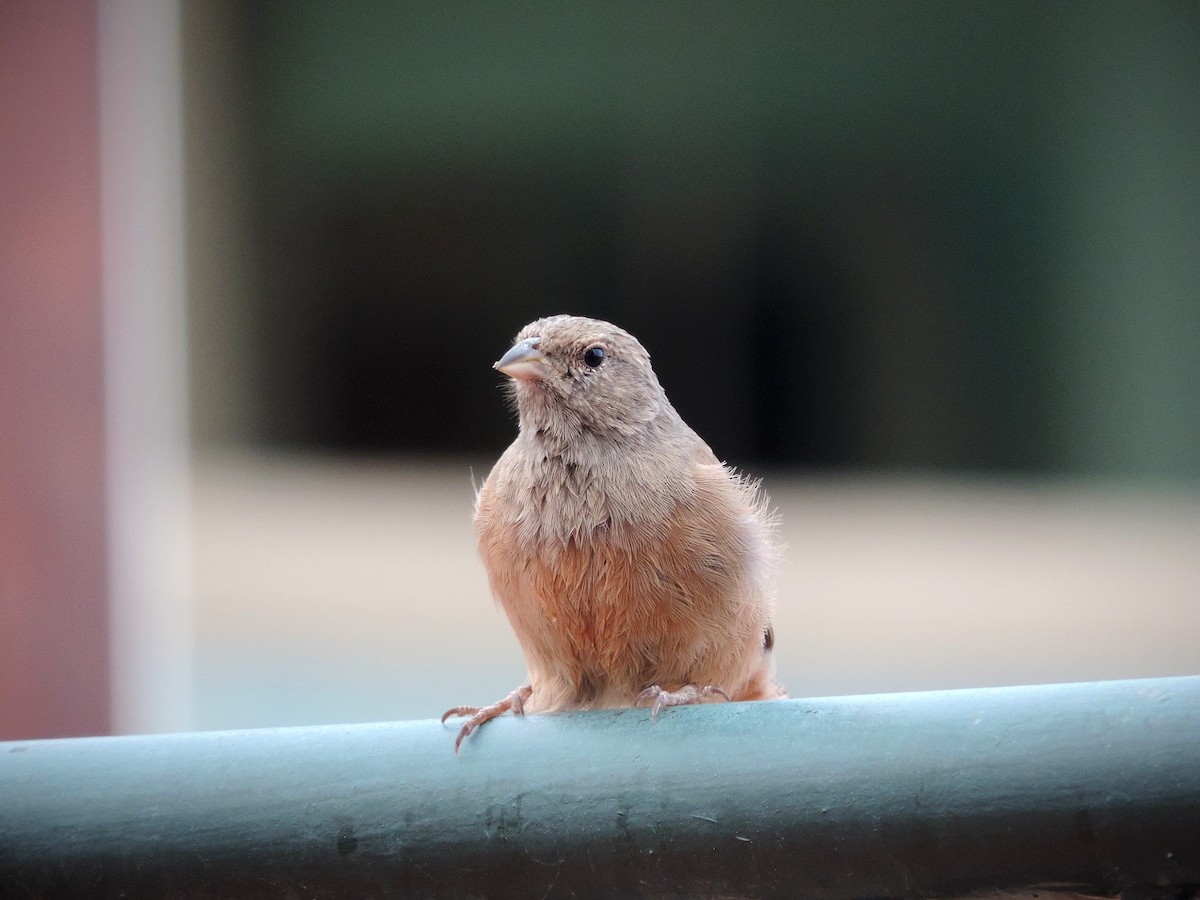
610, 586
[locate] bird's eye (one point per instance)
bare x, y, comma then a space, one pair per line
593, 356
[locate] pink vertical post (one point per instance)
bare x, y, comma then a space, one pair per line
54, 645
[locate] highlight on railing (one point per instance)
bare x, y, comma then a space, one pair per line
1072, 789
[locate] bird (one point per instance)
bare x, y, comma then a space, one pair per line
633, 565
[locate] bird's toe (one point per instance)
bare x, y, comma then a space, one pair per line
685, 696
478, 715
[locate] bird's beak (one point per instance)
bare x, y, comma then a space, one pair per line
524, 361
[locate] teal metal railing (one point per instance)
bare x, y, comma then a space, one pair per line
1085, 788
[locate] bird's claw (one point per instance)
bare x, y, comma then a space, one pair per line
478, 715
685, 696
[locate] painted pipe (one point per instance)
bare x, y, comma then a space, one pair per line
1091, 788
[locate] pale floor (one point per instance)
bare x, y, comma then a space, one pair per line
341, 591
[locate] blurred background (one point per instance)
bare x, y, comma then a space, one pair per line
931, 269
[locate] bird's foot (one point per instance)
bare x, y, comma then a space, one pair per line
480, 714
685, 696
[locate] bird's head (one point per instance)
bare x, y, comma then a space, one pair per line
574, 376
